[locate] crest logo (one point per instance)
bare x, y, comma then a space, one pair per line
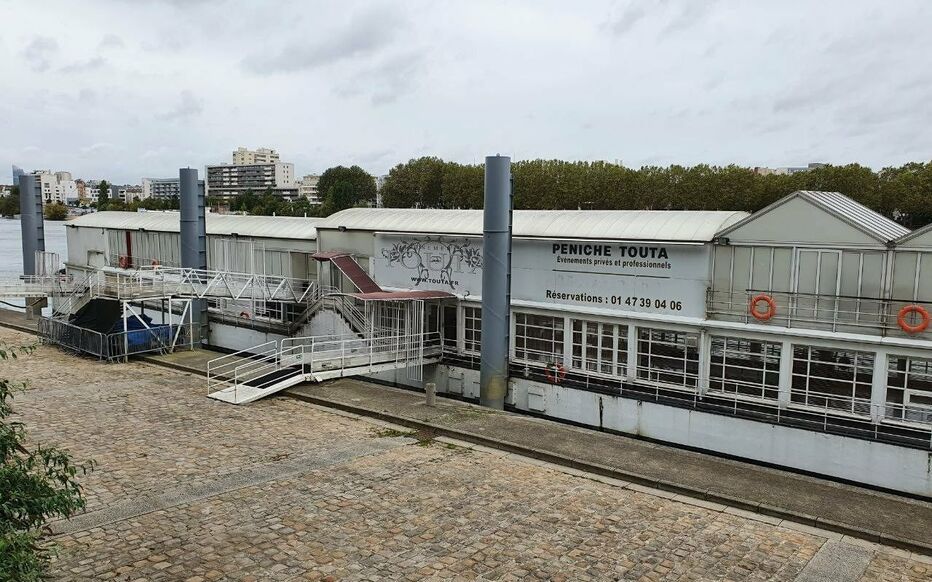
435, 260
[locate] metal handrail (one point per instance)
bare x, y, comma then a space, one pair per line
868, 314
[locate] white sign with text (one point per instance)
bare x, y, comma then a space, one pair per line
651, 277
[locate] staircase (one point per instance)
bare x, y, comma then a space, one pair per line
266, 369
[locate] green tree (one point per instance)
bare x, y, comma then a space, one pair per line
37, 485
56, 211
9, 205
360, 188
103, 196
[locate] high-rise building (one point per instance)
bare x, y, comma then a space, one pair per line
308, 188
161, 188
17, 172
56, 187
228, 180
242, 156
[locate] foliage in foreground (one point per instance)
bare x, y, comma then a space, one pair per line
36, 486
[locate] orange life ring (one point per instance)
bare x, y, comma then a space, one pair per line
908, 310
244, 314
555, 373
124, 262
762, 315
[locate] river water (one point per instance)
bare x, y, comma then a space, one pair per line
11, 248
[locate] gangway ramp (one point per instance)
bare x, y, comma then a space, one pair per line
265, 369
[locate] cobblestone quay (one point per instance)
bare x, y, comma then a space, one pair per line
192, 489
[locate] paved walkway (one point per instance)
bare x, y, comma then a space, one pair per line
192, 489
844, 508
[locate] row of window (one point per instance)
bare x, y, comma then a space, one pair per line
821, 377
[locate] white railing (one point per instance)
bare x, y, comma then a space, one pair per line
36, 285
221, 372
248, 372
869, 315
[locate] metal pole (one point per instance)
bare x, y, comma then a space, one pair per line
193, 237
496, 282
33, 233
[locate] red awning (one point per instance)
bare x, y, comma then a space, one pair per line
402, 295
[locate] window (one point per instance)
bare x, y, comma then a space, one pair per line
449, 327
669, 357
538, 338
472, 329
269, 309
833, 379
745, 367
600, 347
909, 389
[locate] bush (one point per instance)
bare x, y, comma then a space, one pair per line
36, 486
57, 211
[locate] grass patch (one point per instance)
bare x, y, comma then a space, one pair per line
391, 433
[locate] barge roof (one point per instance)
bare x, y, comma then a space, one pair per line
634, 225
282, 227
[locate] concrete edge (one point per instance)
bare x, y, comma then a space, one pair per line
922, 550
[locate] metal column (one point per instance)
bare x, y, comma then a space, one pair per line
33, 233
496, 282
193, 237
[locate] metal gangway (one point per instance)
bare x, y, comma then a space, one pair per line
263, 370
37, 286
181, 282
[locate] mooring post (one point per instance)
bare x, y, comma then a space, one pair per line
33, 234
430, 389
496, 282
194, 239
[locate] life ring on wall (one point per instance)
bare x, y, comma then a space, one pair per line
555, 373
762, 315
908, 310
124, 262
244, 315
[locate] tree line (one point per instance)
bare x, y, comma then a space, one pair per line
902, 193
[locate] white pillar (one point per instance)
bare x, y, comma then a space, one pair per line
879, 386
786, 374
630, 368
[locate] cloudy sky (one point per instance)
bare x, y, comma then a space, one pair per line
121, 89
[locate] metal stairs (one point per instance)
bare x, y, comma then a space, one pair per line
263, 370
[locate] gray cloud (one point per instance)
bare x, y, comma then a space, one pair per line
386, 80
630, 15
365, 34
85, 66
111, 40
39, 53
189, 105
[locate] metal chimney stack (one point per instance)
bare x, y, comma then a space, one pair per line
193, 235
496, 282
33, 231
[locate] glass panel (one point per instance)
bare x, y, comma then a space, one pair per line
833, 379
668, 357
745, 367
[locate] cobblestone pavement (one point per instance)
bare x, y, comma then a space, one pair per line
190, 489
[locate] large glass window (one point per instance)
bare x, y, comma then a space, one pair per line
909, 389
600, 347
745, 367
832, 378
669, 357
472, 329
538, 338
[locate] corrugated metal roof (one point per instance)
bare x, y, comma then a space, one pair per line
874, 223
919, 238
660, 225
286, 227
